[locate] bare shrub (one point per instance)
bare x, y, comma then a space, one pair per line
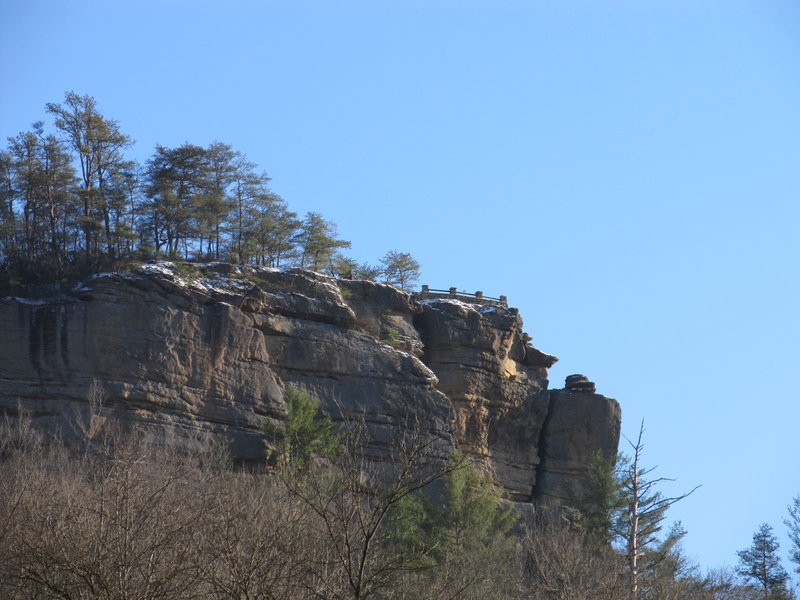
89, 526
90, 422
349, 502
562, 565
133, 515
253, 540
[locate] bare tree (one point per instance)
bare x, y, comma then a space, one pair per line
642, 514
563, 563
100, 526
254, 541
352, 501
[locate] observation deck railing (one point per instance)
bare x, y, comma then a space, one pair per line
453, 294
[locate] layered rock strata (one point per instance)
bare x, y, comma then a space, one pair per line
212, 348
582, 426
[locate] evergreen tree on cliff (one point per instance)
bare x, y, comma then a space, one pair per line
318, 241
98, 144
400, 269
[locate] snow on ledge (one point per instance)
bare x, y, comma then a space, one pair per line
479, 308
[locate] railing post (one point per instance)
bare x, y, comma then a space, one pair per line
425, 289
453, 291
479, 295
504, 300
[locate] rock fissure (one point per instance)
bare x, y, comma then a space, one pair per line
542, 452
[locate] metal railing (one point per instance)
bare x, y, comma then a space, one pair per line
454, 294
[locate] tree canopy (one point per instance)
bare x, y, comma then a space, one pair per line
760, 564
400, 269
72, 203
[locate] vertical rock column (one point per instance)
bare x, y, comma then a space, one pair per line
580, 426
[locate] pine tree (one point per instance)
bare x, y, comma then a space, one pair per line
305, 433
215, 203
175, 182
270, 230
98, 143
761, 564
38, 212
473, 513
248, 187
318, 240
399, 269
600, 500
793, 523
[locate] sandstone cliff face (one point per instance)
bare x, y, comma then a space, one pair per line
581, 426
213, 349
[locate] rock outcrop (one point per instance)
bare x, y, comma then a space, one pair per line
581, 427
212, 348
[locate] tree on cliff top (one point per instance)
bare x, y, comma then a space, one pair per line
318, 240
400, 269
98, 142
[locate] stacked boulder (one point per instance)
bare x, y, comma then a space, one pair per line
579, 384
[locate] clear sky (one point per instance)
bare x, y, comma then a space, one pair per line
626, 172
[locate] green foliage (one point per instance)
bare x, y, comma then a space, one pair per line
189, 201
305, 432
187, 270
460, 544
399, 269
318, 241
473, 513
665, 557
393, 338
600, 501
345, 291
635, 490
366, 272
98, 143
60, 224
415, 527
639, 516
342, 266
760, 563
471, 516
268, 229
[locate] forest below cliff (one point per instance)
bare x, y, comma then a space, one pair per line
107, 512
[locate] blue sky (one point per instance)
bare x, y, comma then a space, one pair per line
626, 172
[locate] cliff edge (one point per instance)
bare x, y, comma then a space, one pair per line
212, 347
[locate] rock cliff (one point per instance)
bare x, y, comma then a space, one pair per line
211, 348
